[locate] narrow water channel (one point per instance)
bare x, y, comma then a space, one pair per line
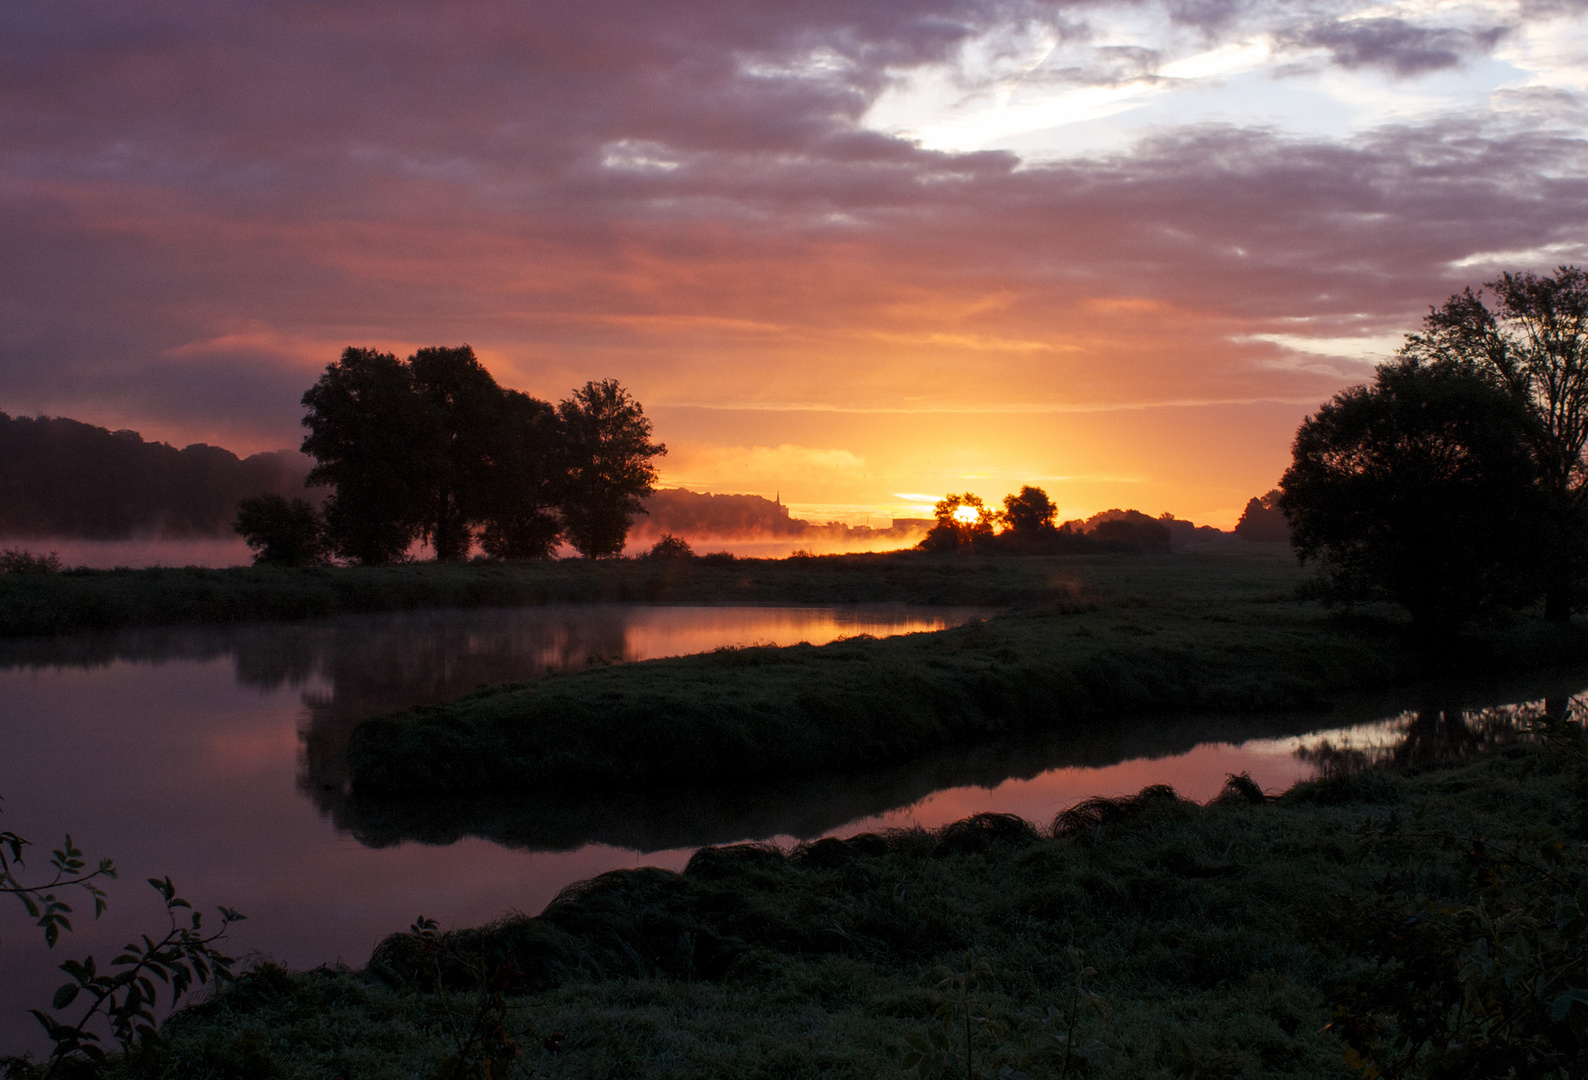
214, 755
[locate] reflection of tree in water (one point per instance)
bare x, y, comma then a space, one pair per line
380, 665
1441, 732
686, 816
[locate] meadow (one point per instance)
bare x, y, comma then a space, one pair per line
1413, 924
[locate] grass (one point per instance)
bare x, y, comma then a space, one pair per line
1098, 637
77, 600
1327, 933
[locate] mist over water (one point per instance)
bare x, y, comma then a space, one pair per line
209, 551
222, 551
214, 755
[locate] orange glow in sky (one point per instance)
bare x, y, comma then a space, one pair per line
838, 250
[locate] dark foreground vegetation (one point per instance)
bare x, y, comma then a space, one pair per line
1104, 636
1378, 923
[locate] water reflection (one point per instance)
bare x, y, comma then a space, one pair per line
1435, 733
697, 816
189, 752
351, 668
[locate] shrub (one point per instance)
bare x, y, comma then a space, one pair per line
21, 561
281, 532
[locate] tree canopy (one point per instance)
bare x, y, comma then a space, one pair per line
432, 447
1532, 342
609, 466
1422, 488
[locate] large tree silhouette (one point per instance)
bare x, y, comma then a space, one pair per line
527, 451
609, 466
1533, 343
371, 435
466, 415
1421, 489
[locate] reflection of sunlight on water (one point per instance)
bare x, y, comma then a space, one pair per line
1197, 774
658, 632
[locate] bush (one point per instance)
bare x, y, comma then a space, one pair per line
671, 547
281, 532
16, 561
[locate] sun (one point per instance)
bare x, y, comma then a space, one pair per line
965, 515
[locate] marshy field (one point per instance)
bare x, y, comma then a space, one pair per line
863, 815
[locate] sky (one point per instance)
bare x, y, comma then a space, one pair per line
853, 253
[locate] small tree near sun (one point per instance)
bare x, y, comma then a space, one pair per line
961, 521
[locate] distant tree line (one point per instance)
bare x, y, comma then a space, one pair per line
1455, 483
1263, 521
1027, 524
65, 478
431, 448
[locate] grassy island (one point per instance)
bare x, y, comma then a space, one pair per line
1094, 636
1416, 925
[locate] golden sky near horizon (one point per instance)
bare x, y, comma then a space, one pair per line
858, 254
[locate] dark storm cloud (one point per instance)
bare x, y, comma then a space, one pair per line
189, 193
1397, 46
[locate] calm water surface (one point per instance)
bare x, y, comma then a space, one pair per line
214, 755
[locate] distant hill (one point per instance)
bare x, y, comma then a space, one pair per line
695, 513
61, 477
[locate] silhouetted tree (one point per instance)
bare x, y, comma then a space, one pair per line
1421, 489
962, 520
464, 435
281, 532
1263, 521
1533, 343
526, 480
609, 466
372, 437
1030, 513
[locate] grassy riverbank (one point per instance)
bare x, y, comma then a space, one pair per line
77, 600
1104, 636
1243, 938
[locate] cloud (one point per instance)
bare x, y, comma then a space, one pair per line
202, 203
1400, 47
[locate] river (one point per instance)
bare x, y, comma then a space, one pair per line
214, 755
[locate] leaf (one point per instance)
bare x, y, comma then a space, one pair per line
65, 996
1562, 1004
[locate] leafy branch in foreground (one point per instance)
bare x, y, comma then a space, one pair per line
41, 900
127, 997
